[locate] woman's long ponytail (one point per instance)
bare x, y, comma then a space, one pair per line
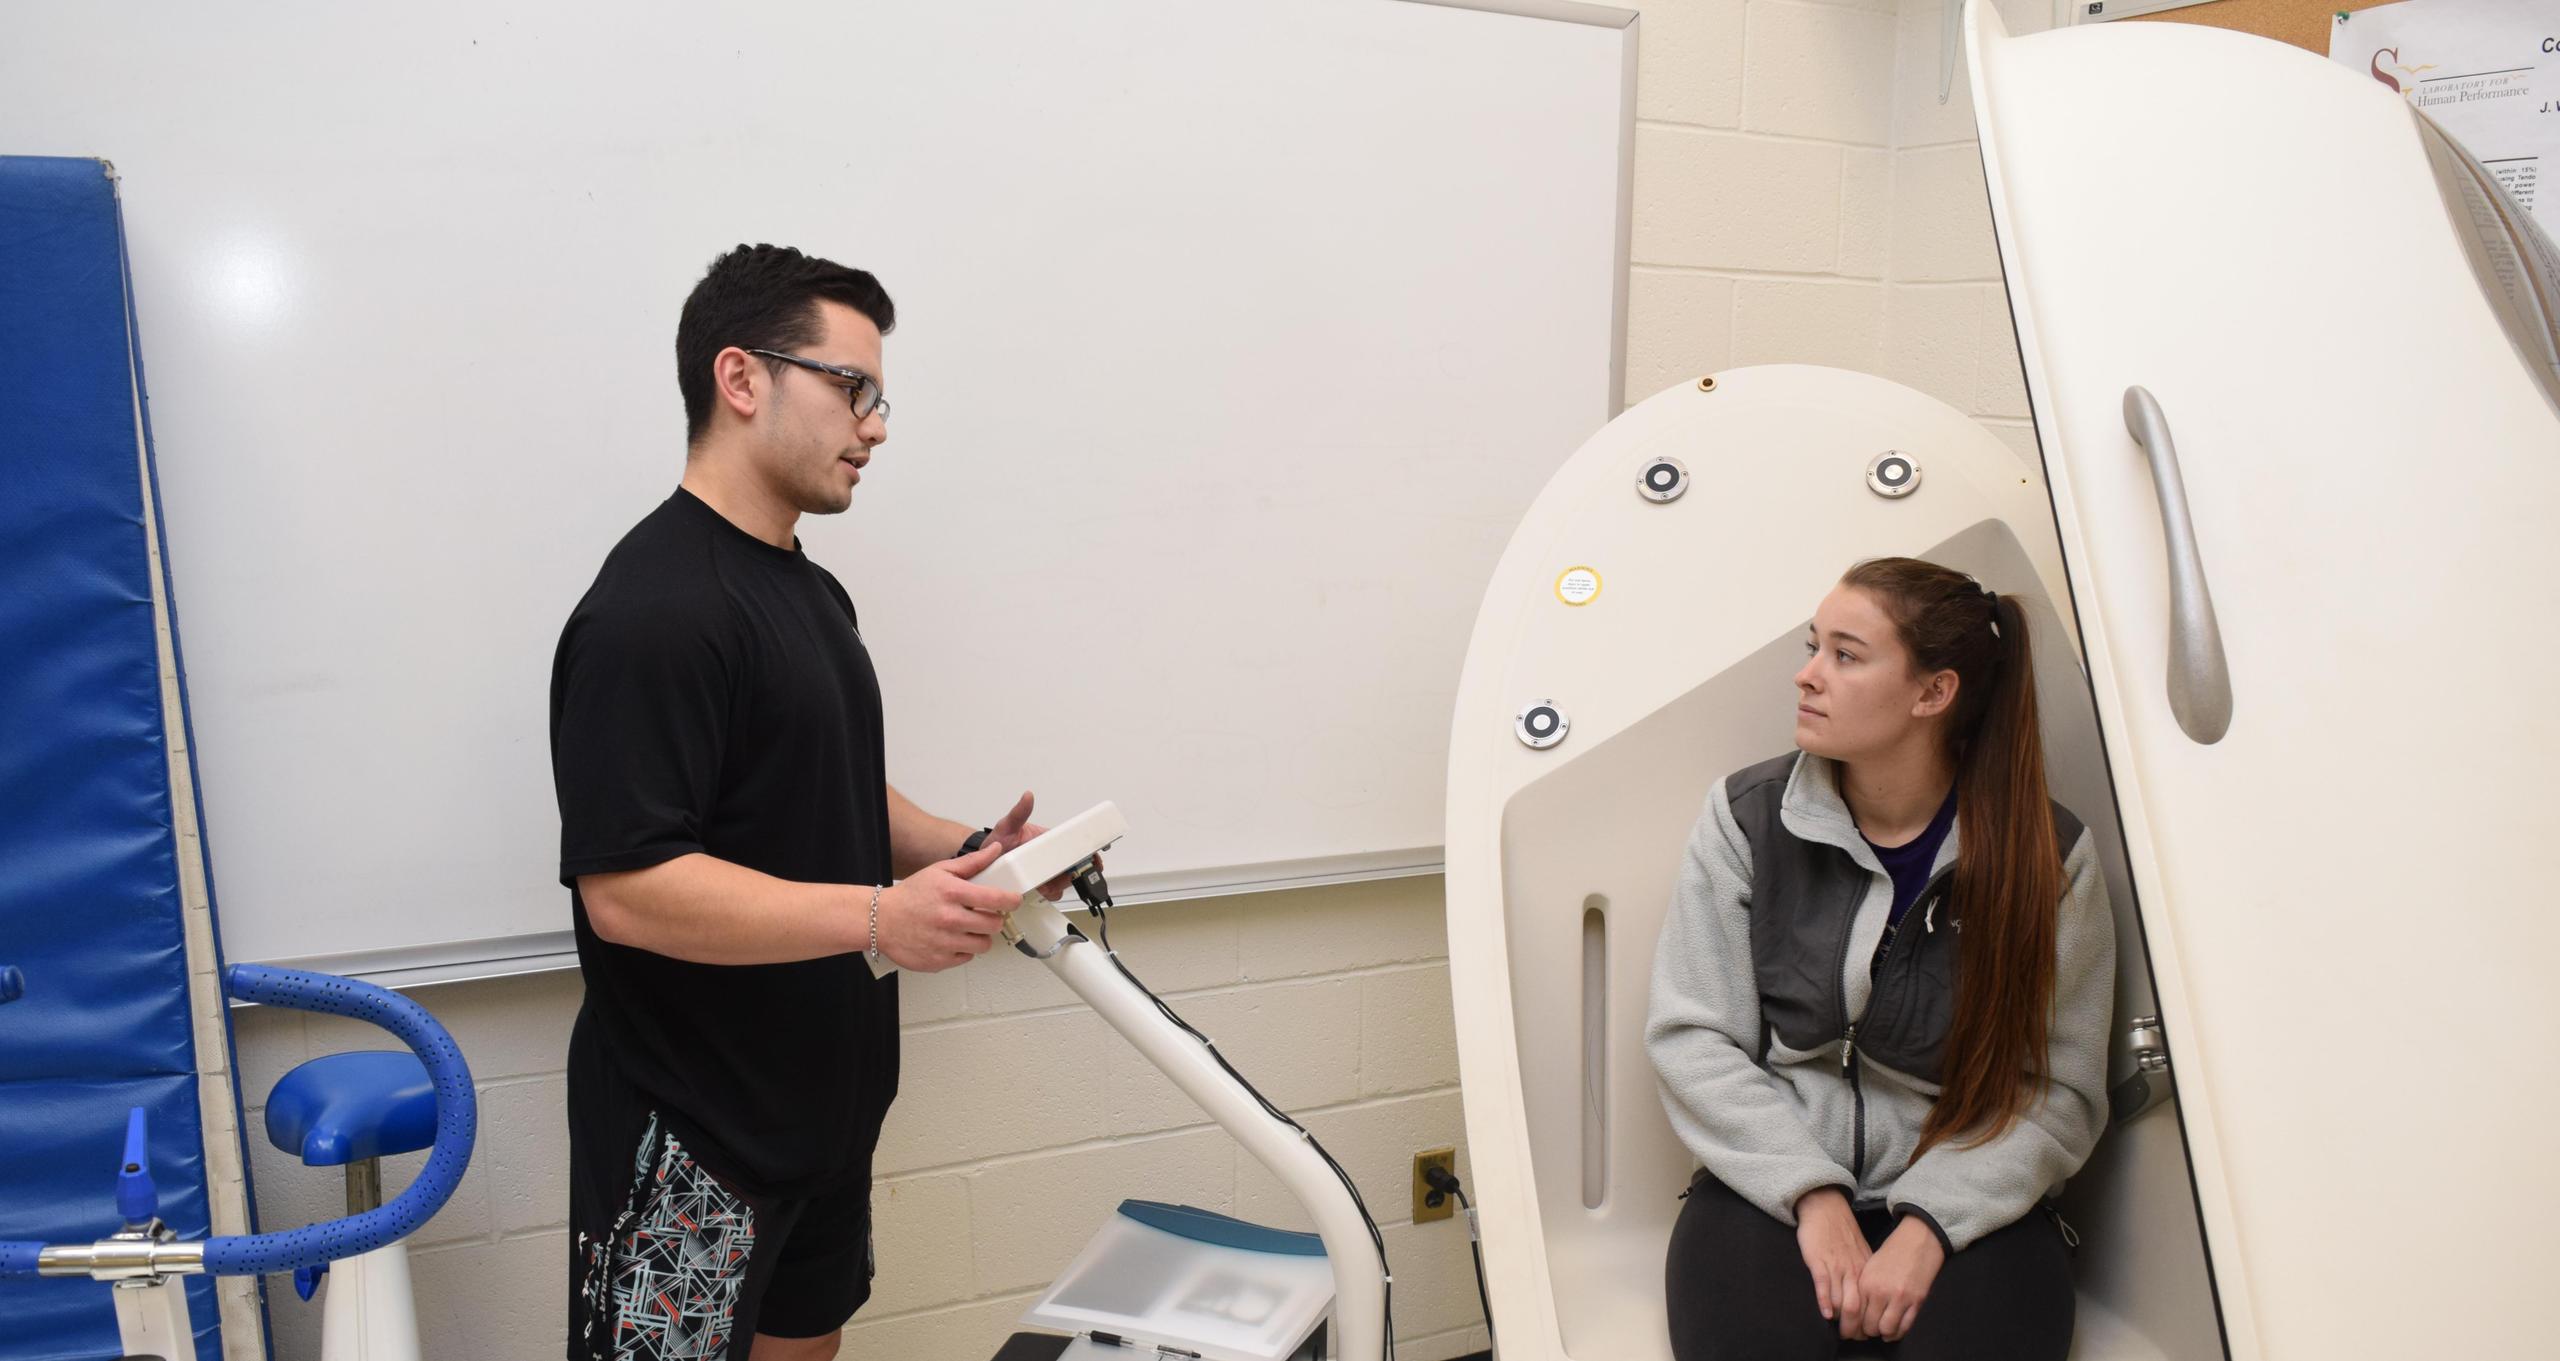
2008, 874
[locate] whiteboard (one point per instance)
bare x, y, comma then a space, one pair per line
1233, 340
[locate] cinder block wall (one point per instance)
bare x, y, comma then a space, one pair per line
1800, 196
1803, 197
1947, 329
1764, 183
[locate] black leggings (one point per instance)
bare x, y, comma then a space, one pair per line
1739, 1290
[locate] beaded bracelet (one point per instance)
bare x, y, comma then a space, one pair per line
874, 951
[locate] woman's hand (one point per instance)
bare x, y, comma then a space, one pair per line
1835, 1252
1898, 1277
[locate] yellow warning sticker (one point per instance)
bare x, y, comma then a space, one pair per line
1578, 585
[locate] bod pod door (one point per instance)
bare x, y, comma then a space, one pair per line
1654, 603
2347, 345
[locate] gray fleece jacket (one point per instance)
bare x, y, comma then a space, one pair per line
1786, 1067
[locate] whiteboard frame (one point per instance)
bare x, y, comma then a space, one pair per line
2067, 13
466, 961
413, 966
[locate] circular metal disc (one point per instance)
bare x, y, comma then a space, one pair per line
1663, 479
1541, 724
1893, 473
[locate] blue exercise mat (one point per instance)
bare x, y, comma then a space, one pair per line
89, 897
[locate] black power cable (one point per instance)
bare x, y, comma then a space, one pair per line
1444, 1183
1096, 893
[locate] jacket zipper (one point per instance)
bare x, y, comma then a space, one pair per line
1849, 1029
1858, 1100
1849, 1054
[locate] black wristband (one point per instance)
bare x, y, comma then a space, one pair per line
976, 839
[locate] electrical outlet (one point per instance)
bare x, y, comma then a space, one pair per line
1446, 1159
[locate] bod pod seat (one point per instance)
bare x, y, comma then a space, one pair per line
2293, 377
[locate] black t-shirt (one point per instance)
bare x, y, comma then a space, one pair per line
712, 693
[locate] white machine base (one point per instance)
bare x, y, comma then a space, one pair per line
369, 1313
1037, 928
151, 1318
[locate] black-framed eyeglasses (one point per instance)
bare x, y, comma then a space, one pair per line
864, 394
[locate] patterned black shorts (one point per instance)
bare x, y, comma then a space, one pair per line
666, 1261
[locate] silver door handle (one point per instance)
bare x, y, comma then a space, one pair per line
2199, 677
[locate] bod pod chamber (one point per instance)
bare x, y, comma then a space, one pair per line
1562, 858
2321, 852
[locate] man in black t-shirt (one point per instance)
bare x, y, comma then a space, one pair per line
742, 877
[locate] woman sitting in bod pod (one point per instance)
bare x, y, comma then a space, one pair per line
1881, 1002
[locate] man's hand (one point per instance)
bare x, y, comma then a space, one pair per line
1015, 828
935, 918
1836, 1252
1898, 1277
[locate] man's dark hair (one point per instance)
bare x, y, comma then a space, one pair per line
763, 298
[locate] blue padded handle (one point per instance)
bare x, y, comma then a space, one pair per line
457, 1115
137, 1197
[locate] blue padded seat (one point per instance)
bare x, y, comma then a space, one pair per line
345, 1108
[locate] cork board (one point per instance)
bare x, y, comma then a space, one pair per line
2303, 23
